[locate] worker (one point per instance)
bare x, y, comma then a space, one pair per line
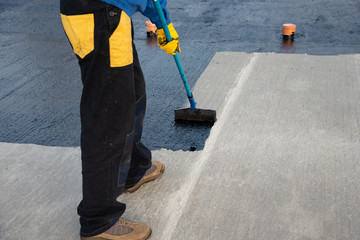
112, 110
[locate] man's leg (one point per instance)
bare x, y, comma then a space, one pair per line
100, 35
108, 124
141, 155
142, 170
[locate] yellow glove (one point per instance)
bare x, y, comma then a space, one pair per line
169, 47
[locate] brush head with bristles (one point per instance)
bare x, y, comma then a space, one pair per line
201, 116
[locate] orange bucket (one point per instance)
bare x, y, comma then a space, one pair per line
289, 29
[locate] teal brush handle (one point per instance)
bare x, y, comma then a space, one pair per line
176, 57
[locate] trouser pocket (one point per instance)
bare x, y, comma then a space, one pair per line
120, 41
80, 32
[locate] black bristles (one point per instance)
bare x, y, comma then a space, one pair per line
201, 116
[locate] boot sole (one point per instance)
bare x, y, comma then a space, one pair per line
101, 238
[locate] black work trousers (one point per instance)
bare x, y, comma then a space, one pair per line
112, 109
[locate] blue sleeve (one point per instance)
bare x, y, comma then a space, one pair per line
151, 13
145, 7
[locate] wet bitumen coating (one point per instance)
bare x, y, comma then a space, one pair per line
40, 78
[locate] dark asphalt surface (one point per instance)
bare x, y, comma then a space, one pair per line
40, 78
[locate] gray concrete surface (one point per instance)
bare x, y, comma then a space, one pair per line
281, 162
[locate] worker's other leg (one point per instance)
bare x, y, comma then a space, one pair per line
141, 155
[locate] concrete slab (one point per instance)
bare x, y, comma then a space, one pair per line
40, 189
284, 164
281, 162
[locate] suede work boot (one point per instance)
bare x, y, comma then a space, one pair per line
155, 171
124, 230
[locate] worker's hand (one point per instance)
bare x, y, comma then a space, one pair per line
169, 47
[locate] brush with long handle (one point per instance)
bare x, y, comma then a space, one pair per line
191, 114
